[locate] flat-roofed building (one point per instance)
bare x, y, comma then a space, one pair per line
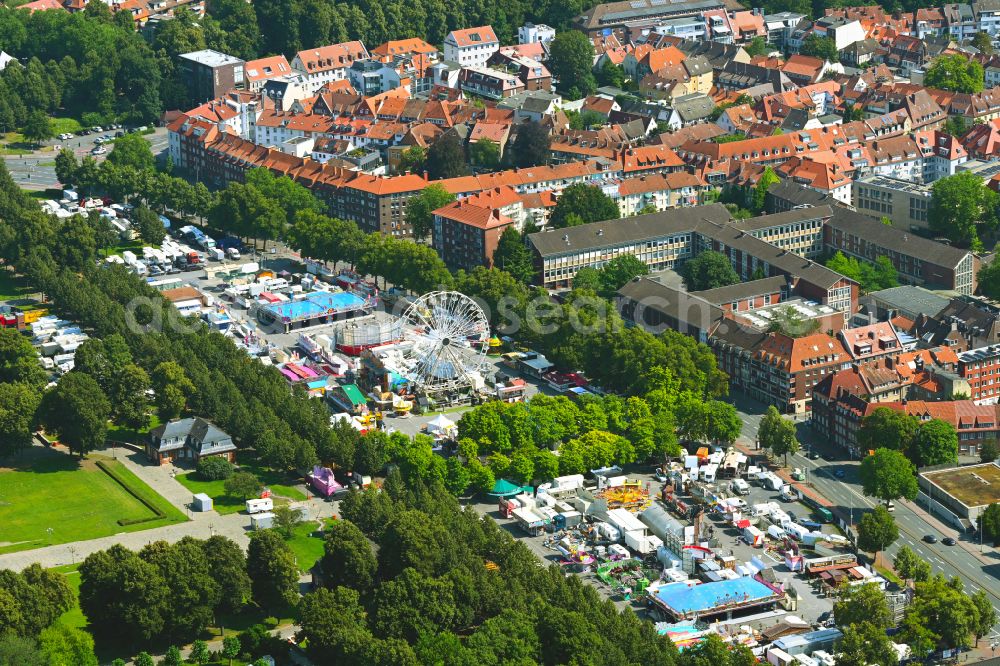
905, 203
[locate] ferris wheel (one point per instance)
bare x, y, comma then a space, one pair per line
448, 335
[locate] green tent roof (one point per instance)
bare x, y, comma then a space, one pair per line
504, 488
354, 394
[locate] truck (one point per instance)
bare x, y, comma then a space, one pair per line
753, 536
259, 505
215, 254
192, 258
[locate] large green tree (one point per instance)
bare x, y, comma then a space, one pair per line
877, 530
935, 443
420, 209
76, 410
955, 72
446, 158
228, 565
581, 203
910, 566
864, 644
273, 571
132, 150
960, 204
887, 428
37, 128
531, 145
941, 616
708, 270
171, 387
888, 475
513, 256
123, 596
820, 47
571, 61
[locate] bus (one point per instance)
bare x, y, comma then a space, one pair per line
824, 514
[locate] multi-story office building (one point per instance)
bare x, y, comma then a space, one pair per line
903, 202
210, 74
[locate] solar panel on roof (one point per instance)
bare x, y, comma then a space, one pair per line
637, 4
657, 3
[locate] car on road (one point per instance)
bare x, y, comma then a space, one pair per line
813, 455
930, 538
839, 474
948, 541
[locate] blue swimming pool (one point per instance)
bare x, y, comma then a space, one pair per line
316, 304
681, 599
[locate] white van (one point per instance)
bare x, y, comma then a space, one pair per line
259, 505
233, 253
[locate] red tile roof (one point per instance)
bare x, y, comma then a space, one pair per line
473, 36
267, 68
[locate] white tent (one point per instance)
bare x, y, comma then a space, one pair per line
440, 425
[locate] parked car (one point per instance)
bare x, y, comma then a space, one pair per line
119, 134
98, 151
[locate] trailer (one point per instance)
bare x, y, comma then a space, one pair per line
323, 481
259, 505
753, 536
642, 543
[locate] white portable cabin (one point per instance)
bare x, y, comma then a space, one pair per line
796, 531
753, 536
259, 505
262, 521
778, 657
708, 472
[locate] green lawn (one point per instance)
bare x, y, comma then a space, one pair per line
77, 501
12, 286
63, 125
221, 502
280, 483
74, 617
307, 544
119, 433
226, 504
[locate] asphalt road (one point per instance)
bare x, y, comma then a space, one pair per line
846, 496
35, 171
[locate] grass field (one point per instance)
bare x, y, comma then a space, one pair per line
119, 433
226, 504
63, 125
75, 500
307, 544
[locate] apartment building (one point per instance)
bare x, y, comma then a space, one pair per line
981, 368
466, 235
320, 66
471, 47
489, 83
258, 72
777, 369
904, 203
377, 204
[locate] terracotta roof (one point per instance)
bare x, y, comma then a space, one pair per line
544, 199
473, 215
334, 56
267, 68
41, 5
496, 132
181, 294
794, 354
387, 51
381, 186
803, 66
660, 58
650, 157
473, 36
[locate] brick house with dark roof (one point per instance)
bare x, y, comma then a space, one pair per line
188, 439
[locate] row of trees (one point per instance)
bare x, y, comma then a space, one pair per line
930, 442
169, 593
288, 26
